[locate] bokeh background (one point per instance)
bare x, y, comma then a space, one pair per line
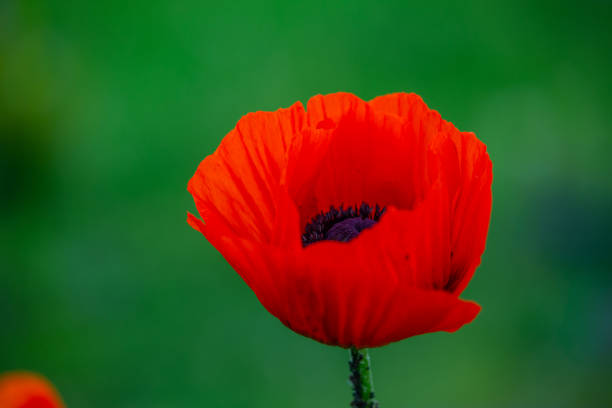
106, 108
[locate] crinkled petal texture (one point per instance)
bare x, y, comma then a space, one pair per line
27, 390
402, 277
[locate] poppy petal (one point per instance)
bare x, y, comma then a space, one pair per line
466, 169
420, 312
471, 211
326, 111
237, 185
409, 106
405, 105
415, 244
245, 257
365, 291
338, 295
27, 390
369, 156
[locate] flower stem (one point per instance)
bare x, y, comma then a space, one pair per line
361, 379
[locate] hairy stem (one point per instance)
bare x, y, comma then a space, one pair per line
361, 379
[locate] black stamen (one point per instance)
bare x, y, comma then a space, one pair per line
341, 224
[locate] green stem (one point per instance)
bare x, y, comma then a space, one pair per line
361, 379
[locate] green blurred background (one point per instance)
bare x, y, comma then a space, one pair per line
106, 108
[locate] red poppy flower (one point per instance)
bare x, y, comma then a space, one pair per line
27, 390
355, 223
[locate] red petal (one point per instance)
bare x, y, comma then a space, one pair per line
415, 244
471, 210
326, 110
467, 170
238, 184
359, 294
27, 390
385, 285
256, 263
368, 156
406, 105
417, 312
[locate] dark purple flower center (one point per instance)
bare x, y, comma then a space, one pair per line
341, 224
348, 229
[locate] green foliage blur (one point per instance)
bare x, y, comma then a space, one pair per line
106, 108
